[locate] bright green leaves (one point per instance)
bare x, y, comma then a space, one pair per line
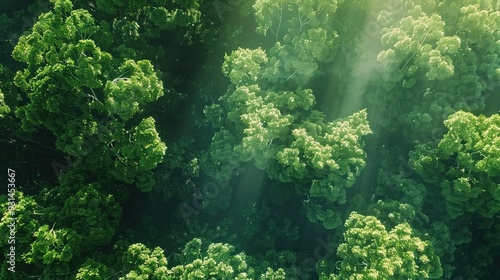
136, 153
263, 126
62, 6
4, 109
88, 63
292, 102
285, 16
58, 70
91, 270
304, 36
169, 19
73, 142
243, 66
115, 7
270, 274
139, 262
438, 59
449, 45
277, 128
330, 157
266, 12
243, 100
217, 262
137, 85
371, 251
80, 25
280, 134
319, 147
27, 213
136, 23
5, 87
53, 245
475, 139
78, 93
480, 25
145, 148
414, 44
46, 42
471, 148
80, 218
315, 46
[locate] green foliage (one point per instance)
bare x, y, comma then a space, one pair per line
4, 109
72, 86
137, 85
91, 270
243, 66
430, 52
462, 168
465, 164
222, 159
395, 181
284, 137
27, 213
278, 264
135, 24
142, 153
139, 262
434, 64
92, 213
53, 245
304, 34
371, 251
79, 86
273, 275
393, 212
217, 262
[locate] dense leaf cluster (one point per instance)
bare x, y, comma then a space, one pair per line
307, 139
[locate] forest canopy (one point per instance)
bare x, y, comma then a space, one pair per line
250, 139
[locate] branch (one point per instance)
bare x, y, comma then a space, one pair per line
115, 80
291, 75
279, 17
301, 21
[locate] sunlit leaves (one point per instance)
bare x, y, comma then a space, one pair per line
73, 87
142, 263
27, 213
319, 147
148, 141
416, 38
4, 109
53, 244
370, 251
480, 25
471, 149
59, 66
262, 127
137, 85
449, 50
243, 66
218, 261
139, 154
91, 270
304, 34
62, 6
278, 129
